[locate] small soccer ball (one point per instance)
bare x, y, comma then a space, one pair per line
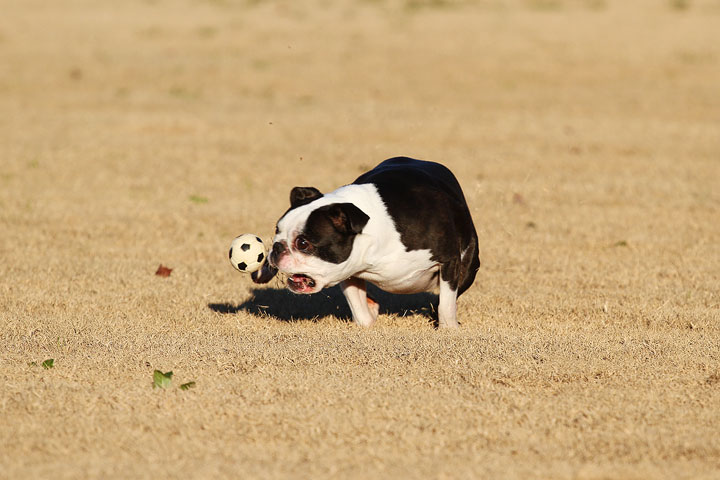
247, 253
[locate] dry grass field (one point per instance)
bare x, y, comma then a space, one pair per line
586, 135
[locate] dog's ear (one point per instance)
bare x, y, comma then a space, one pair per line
347, 218
302, 195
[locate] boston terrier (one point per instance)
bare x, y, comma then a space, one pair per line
404, 226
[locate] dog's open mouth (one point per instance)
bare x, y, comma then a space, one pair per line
301, 283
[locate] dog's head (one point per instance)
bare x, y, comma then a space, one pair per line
314, 240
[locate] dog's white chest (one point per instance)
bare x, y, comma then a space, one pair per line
385, 259
409, 277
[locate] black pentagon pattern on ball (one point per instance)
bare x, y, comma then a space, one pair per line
260, 257
245, 247
242, 266
258, 239
230, 255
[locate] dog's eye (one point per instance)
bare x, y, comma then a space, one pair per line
301, 243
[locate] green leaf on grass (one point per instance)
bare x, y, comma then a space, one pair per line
187, 386
49, 363
162, 380
198, 199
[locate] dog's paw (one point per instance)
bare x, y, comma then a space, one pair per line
373, 307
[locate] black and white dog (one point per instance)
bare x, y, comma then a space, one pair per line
404, 226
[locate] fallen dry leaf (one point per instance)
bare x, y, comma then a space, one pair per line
518, 199
163, 271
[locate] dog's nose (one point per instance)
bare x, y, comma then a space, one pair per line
277, 250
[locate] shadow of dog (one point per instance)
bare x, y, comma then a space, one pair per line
287, 306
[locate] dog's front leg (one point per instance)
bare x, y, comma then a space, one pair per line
364, 310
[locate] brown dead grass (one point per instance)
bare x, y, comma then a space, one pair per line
586, 135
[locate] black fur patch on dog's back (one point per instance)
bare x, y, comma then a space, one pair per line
429, 210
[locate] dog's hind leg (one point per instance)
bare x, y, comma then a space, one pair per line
447, 306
